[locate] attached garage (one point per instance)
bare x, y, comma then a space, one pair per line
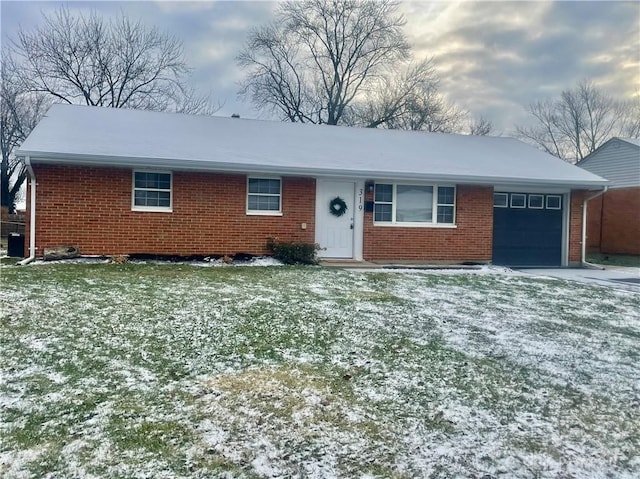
527, 229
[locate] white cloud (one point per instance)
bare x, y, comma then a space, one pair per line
496, 57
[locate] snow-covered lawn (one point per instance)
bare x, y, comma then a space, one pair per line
169, 371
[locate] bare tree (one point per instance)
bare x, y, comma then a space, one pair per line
19, 113
544, 133
430, 112
118, 63
480, 126
276, 79
574, 125
631, 117
76, 58
388, 103
314, 61
343, 62
411, 100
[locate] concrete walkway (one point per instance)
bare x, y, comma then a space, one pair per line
618, 277
425, 265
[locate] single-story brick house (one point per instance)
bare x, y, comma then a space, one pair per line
115, 181
613, 219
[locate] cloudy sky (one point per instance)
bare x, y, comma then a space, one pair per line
493, 57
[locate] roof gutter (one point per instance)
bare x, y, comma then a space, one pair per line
583, 254
32, 209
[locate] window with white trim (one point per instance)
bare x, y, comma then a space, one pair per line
383, 201
501, 200
264, 195
152, 191
414, 204
554, 202
518, 200
446, 204
536, 202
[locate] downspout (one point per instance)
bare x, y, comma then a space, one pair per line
583, 255
32, 210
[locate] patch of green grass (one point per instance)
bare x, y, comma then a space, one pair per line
156, 370
150, 437
9, 261
614, 259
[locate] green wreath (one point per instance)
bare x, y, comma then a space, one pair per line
337, 207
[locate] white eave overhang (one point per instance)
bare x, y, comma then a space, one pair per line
173, 164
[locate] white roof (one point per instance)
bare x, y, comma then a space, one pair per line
133, 138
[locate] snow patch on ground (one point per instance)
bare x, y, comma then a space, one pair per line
206, 263
307, 372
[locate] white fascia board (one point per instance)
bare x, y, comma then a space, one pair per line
244, 168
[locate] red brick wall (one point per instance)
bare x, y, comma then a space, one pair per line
613, 222
91, 208
471, 241
594, 210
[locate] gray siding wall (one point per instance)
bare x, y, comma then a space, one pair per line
618, 161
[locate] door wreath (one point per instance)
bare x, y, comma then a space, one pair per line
337, 207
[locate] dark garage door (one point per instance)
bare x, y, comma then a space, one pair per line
527, 229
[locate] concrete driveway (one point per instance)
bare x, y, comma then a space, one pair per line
618, 277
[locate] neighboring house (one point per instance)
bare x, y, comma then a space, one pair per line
613, 223
114, 181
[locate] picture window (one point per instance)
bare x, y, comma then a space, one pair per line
414, 204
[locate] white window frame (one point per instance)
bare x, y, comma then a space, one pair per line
524, 204
391, 203
263, 212
503, 195
434, 215
156, 209
546, 202
542, 204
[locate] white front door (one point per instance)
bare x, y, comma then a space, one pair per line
334, 233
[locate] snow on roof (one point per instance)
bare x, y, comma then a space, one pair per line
134, 138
